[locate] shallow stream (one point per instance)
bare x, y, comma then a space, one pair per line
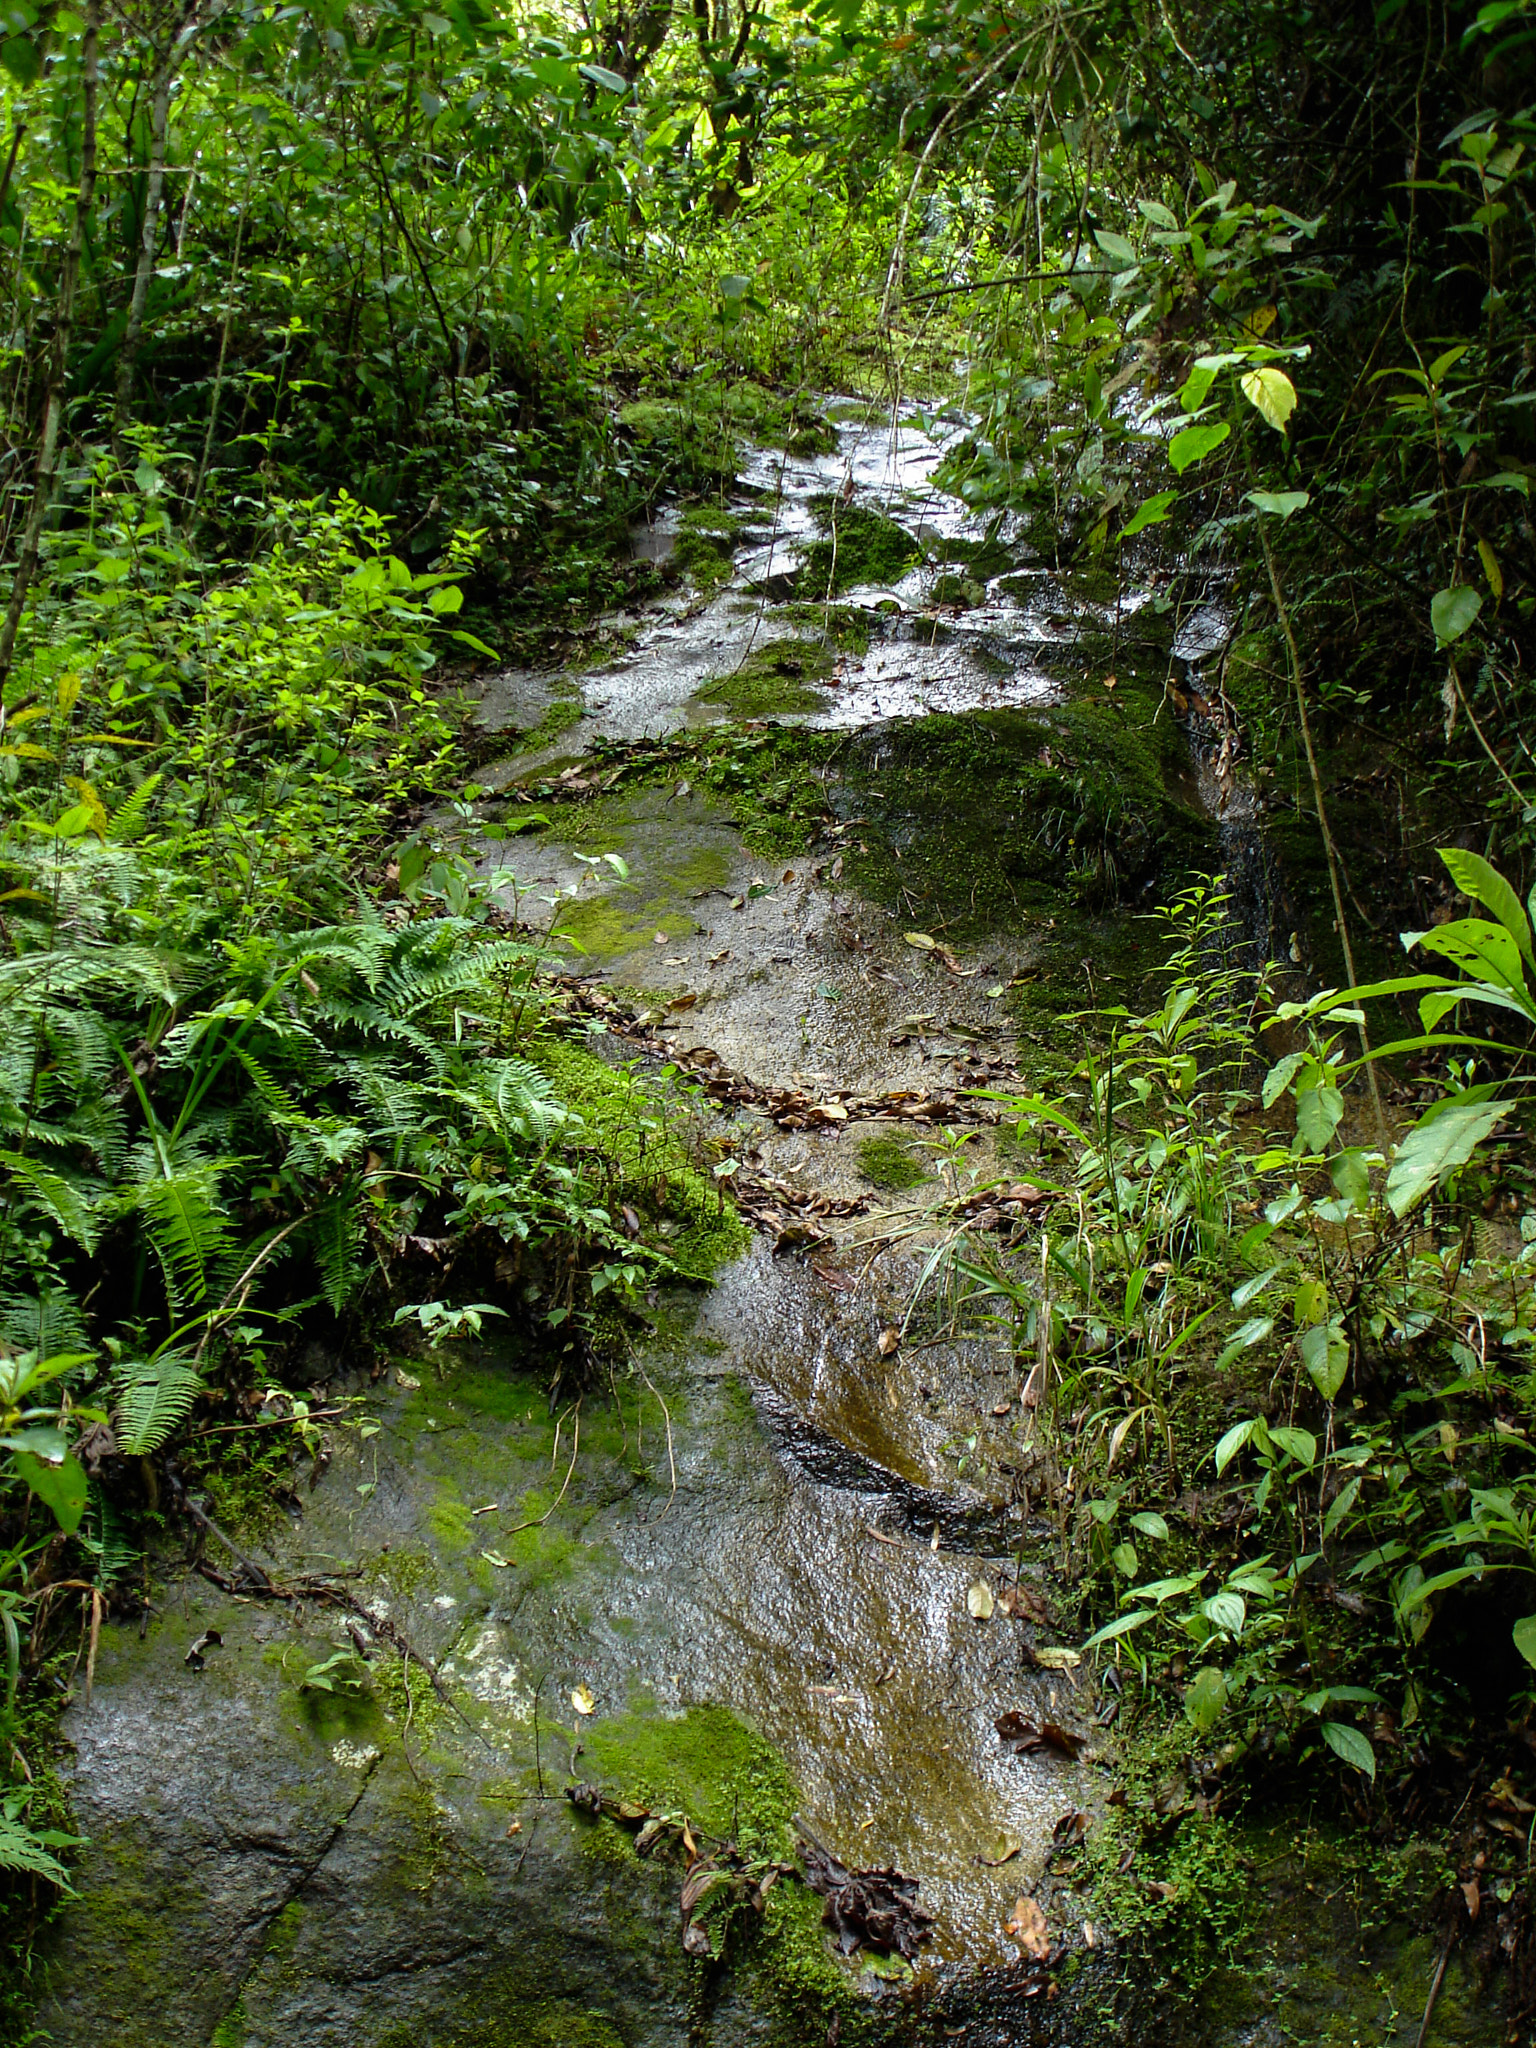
749, 1602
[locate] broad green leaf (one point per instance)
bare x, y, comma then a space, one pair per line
1437, 1144
1280, 504
1254, 1331
1475, 877
1452, 612
1205, 1698
1193, 444
1149, 1524
1414, 1596
1352, 1746
1351, 1176
1193, 391
1280, 1076
1341, 1507
599, 74
1166, 1589
1271, 393
1256, 1284
1159, 215
1525, 1637
1122, 1627
22, 59
1481, 948
1319, 1112
1309, 1304
1226, 1611
1115, 247
1150, 512
1300, 1445
60, 1486
1125, 1561
1232, 1443
1325, 1353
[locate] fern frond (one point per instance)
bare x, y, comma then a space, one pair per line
335, 1236
185, 1220
130, 818
48, 1322
154, 1396
24, 1849
57, 1197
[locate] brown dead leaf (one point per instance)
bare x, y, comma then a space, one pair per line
1023, 1603
890, 1340
1028, 1927
1063, 1739
682, 1002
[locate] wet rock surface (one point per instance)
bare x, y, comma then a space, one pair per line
732, 1588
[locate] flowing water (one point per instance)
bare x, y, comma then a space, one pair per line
772, 1522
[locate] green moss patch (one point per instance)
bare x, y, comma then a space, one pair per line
996, 819
646, 1158
886, 1162
772, 681
706, 1763
859, 546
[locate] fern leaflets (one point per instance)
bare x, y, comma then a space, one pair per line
153, 1397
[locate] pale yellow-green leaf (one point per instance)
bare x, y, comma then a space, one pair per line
1272, 395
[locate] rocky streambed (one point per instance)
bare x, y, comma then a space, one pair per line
855, 810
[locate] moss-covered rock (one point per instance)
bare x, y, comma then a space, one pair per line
860, 546
774, 680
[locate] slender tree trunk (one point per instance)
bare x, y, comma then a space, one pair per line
218, 375
53, 403
149, 233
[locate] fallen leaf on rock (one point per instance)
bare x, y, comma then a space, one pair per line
921, 940
1063, 1739
1024, 1738
1070, 1828
890, 1340
979, 1602
495, 1557
1004, 1849
876, 1909
1023, 1603
582, 1700
1028, 1927
210, 1639
682, 1002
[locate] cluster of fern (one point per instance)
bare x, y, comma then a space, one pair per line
244, 1105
